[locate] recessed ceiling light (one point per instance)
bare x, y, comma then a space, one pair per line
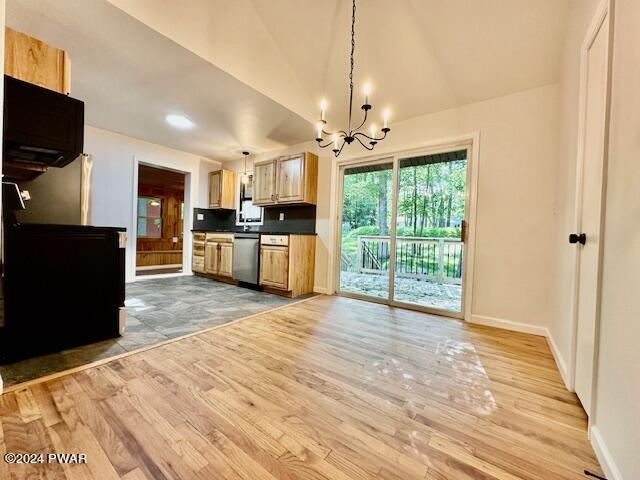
179, 121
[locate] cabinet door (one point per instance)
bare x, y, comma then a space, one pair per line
34, 61
264, 177
274, 266
290, 183
215, 190
211, 258
225, 267
197, 264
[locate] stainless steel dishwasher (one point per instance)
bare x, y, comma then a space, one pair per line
246, 255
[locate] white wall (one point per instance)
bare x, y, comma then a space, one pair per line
616, 421
516, 194
114, 182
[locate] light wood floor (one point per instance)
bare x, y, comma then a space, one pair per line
331, 388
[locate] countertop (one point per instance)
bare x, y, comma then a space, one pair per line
261, 232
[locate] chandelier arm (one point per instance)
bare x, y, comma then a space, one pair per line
344, 134
368, 147
366, 111
326, 145
375, 139
338, 152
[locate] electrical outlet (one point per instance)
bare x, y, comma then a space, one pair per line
200, 216
281, 216
174, 239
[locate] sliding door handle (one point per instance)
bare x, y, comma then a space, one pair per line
578, 238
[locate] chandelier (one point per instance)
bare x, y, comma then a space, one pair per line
342, 137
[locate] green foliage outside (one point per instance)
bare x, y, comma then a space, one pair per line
431, 203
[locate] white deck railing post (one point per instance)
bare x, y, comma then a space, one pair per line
441, 260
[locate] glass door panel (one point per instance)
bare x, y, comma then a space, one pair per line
430, 213
367, 192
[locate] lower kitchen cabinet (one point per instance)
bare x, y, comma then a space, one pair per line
213, 254
211, 258
197, 263
274, 266
287, 263
225, 261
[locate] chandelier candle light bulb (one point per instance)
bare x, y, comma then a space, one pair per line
350, 134
367, 91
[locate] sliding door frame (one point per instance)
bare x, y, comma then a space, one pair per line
468, 142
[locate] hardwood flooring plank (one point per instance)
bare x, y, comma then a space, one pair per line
329, 389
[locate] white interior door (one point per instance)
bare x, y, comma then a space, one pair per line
589, 209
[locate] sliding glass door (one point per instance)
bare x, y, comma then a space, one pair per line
429, 222
402, 231
367, 192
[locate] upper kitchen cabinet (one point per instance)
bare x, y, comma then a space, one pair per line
34, 61
286, 180
222, 187
264, 182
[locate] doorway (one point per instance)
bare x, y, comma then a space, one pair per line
402, 229
159, 221
587, 236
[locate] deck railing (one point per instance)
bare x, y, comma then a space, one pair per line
425, 258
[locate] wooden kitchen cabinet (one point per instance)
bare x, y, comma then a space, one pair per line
264, 182
222, 188
225, 263
274, 266
286, 180
287, 263
218, 255
197, 259
31, 60
211, 258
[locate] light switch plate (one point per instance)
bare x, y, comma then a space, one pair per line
200, 216
281, 216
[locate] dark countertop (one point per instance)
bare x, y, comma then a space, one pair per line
261, 232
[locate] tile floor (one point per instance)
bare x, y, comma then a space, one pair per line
157, 310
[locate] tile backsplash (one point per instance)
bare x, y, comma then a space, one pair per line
297, 219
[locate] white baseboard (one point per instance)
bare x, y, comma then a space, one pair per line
508, 325
611, 470
561, 364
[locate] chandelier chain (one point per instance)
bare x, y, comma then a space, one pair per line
353, 47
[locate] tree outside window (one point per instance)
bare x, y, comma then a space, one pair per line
149, 217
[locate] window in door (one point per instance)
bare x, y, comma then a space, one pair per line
149, 217
365, 242
429, 245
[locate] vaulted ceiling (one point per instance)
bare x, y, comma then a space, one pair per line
421, 56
